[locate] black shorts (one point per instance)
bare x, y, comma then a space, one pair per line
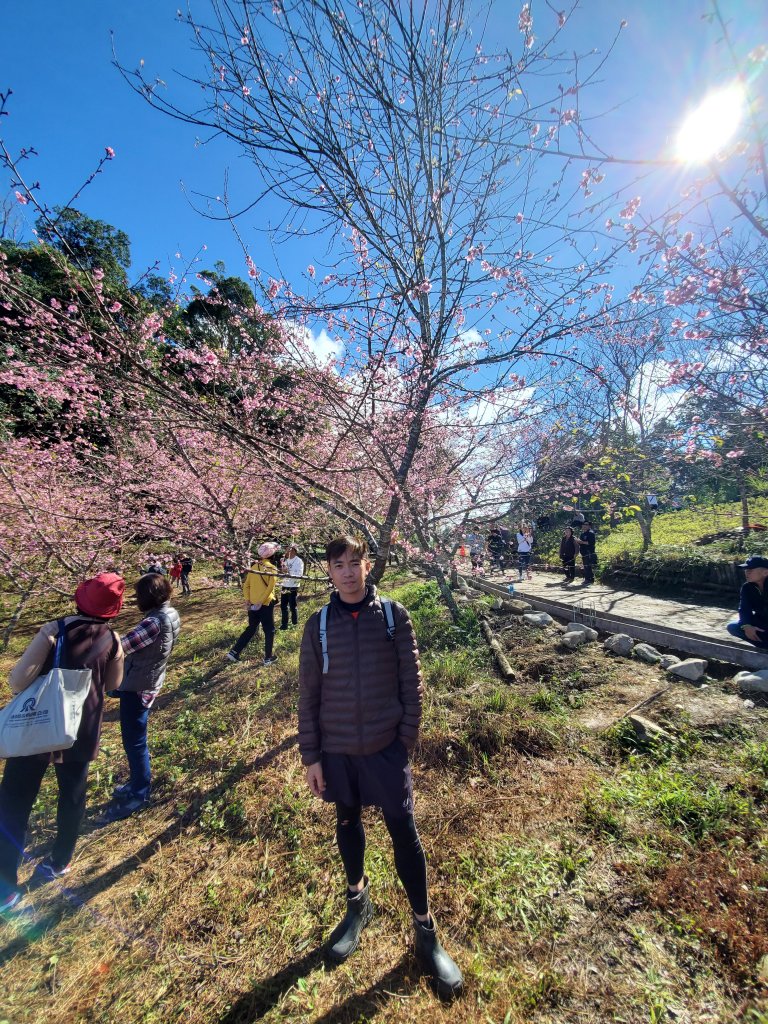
380, 780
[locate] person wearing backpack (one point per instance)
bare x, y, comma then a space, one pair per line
259, 593
147, 648
89, 642
360, 700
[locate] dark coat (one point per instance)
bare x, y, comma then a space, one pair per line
81, 637
568, 549
372, 691
145, 669
753, 606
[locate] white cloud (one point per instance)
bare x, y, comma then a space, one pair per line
651, 394
308, 346
323, 346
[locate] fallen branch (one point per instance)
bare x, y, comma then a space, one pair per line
501, 659
640, 704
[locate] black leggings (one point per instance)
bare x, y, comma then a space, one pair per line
264, 617
21, 783
410, 861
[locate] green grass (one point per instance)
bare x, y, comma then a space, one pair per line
520, 883
226, 886
687, 804
681, 529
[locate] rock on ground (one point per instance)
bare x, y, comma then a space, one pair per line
692, 669
511, 607
573, 639
647, 653
619, 643
752, 682
580, 627
646, 730
669, 660
537, 618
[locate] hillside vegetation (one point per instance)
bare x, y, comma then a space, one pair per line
696, 547
575, 875
686, 527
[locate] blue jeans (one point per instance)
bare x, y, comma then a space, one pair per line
735, 629
133, 728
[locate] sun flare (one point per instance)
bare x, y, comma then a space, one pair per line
712, 125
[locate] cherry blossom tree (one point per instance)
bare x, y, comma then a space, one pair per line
395, 133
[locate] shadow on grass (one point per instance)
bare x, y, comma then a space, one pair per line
32, 927
266, 994
184, 690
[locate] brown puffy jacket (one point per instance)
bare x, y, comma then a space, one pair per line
372, 691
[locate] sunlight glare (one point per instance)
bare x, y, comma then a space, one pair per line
712, 124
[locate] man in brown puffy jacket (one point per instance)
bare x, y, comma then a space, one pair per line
359, 713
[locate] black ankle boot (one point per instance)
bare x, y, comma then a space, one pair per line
445, 977
345, 937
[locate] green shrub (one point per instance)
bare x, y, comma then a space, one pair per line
432, 623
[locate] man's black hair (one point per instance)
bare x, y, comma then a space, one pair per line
346, 542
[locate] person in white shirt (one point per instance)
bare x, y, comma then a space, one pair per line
524, 546
293, 566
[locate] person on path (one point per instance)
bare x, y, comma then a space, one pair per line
476, 542
175, 573
496, 548
229, 568
88, 643
360, 704
294, 567
186, 569
752, 623
568, 546
586, 543
524, 549
259, 593
147, 648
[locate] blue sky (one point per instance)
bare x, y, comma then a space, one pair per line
69, 102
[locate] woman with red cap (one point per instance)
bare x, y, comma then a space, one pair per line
259, 594
88, 643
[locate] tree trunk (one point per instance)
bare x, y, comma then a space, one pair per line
14, 620
645, 527
744, 494
435, 571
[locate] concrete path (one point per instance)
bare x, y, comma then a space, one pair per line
668, 621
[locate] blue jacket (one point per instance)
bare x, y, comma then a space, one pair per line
753, 606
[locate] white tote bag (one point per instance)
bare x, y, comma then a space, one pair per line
46, 716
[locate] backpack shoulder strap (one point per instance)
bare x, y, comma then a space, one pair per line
60, 642
389, 615
324, 636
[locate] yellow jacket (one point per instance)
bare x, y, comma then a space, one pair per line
260, 582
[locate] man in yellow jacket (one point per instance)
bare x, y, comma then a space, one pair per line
259, 593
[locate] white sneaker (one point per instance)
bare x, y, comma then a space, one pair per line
231, 656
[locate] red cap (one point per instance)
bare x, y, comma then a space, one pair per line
101, 596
